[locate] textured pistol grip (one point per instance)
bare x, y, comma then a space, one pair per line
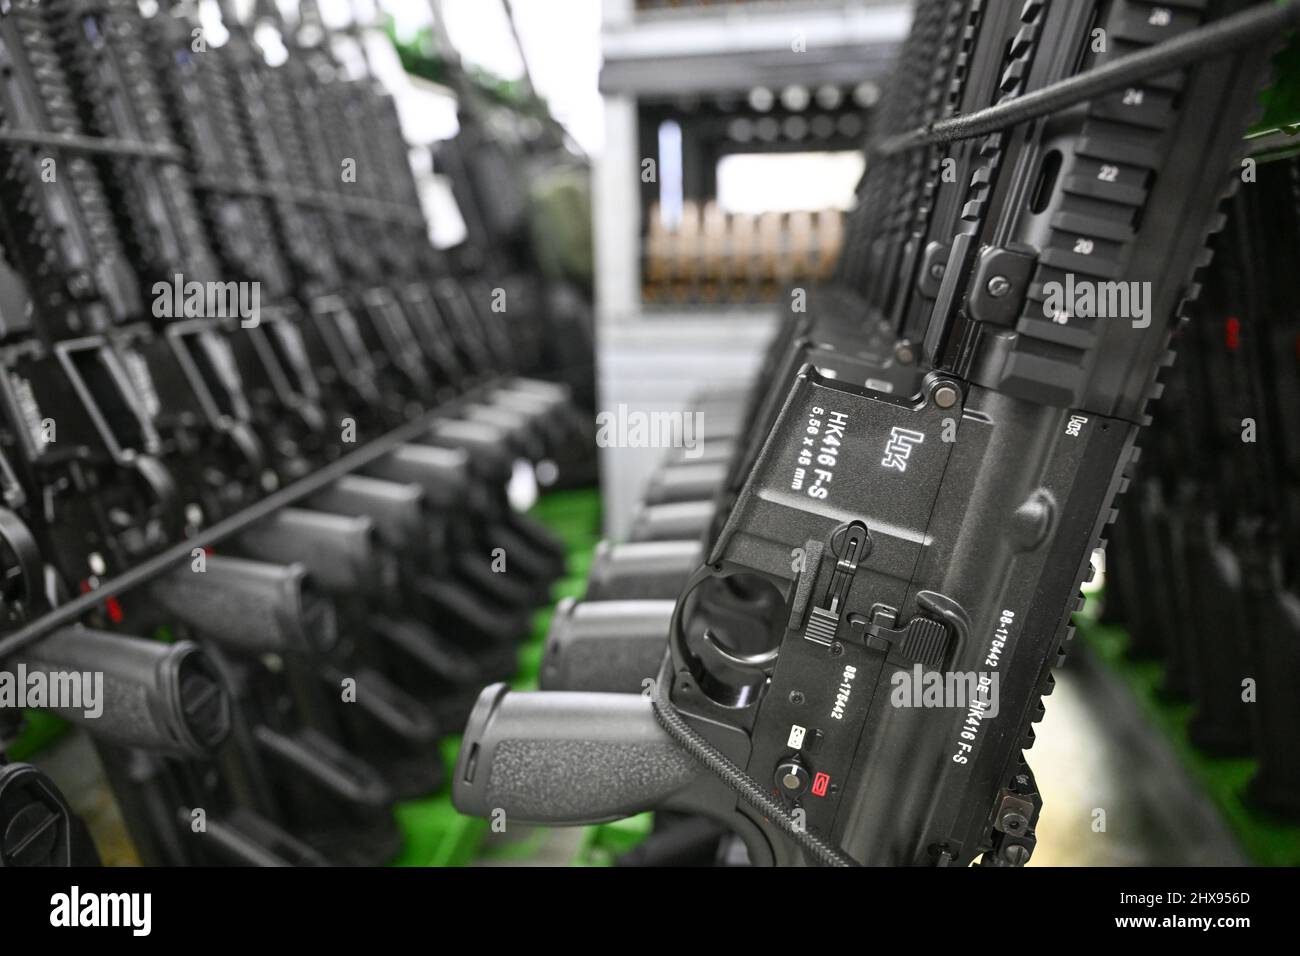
397, 509
340, 552
559, 758
642, 570
162, 697
675, 521
248, 607
609, 646
443, 473
686, 481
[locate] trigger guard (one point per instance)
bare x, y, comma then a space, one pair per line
759, 663
683, 659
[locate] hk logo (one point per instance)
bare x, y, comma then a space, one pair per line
899, 448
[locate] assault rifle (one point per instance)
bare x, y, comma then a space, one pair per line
939, 530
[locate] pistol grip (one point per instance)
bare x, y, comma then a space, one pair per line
566, 758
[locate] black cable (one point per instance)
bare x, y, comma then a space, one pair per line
1215, 39
739, 781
